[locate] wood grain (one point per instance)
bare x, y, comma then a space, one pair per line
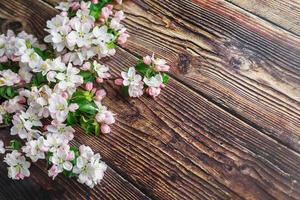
236, 61
284, 14
184, 146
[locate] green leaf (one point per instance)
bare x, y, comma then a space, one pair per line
87, 107
124, 91
97, 128
165, 78
8, 92
142, 68
69, 174
71, 119
87, 76
15, 144
111, 45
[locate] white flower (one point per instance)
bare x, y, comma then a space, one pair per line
89, 167
2, 44
30, 119
24, 73
35, 149
70, 79
154, 81
32, 58
2, 148
136, 90
57, 23
53, 141
81, 33
62, 157
13, 105
58, 108
18, 127
59, 39
9, 78
18, 166
63, 6
131, 78
101, 70
2, 113
67, 132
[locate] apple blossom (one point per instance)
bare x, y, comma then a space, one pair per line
2, 148
18, 166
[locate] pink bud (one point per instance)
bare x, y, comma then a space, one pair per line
84, 6
86, 66
89, 86
64, 14
110, 6
119, 81
105, 128
101, 93
94, 90
98, 98
94, 1
73, 107
65, 95
105, 12
66, 58
22, 100
119, 1
122, 38
75, 6
99, 80
147, 60
109, 118
164, 68
162, 86
152, 91
45, 127
3, 59
119, 15
100, 117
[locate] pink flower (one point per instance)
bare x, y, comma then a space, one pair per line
105, 128
119, 81
99, 80
119, 15
105, 12
162, 68
101, 92
3, 59
122, 39
89, 86
53, 171
73, 107
147, 60
94, 1
65, 95
154, 92
75, 6
86, 66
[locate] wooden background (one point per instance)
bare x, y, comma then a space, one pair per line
226, 127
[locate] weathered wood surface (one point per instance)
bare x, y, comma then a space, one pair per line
284, 14
227, 126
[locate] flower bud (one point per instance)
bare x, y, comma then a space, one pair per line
147, 60
119, 81
99, 80
86, 66
105, 128
73, 107
89, 86
101, 93
65, 95
122, 39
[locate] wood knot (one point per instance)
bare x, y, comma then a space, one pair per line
184, 63
14, 25
240, 63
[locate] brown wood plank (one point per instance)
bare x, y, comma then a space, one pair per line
283, 13
201, 153
239, 62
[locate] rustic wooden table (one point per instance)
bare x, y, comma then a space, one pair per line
226, 127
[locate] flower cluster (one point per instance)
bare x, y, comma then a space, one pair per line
44, 92
85, 29
147, 76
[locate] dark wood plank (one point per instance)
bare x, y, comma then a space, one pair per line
284, 14
239, 62
201, 153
